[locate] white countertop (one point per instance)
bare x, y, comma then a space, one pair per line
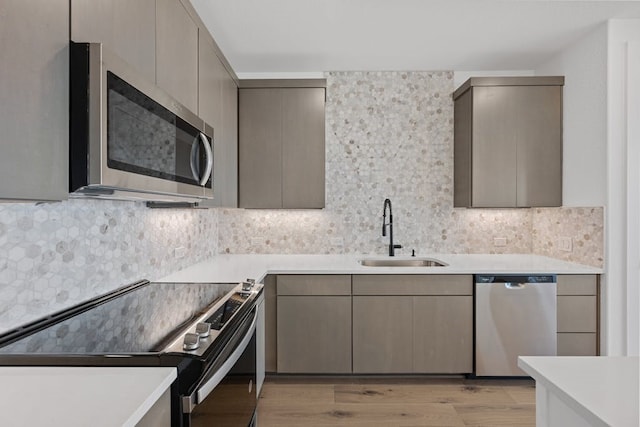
79, 396
603, 390
233, 268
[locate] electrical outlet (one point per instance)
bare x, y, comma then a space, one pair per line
179, 252
257, 241
336, 241
565, 244
499, 241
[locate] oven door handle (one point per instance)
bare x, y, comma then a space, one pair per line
222, 372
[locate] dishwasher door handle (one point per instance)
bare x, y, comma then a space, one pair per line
515, 286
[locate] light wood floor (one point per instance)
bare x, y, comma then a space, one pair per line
406, 402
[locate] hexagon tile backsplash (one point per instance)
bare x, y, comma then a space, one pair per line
55, 255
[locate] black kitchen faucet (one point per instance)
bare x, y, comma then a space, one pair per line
392, 247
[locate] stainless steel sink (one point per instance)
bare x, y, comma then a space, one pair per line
390, 262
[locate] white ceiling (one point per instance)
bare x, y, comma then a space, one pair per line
273, 37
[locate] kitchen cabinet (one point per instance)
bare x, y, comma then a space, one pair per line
260, 344
508, 142
218, 106
578, 313
177, 52
382, 334
314, 324
126, 28
270, 331
412, 324
281, 146
34, 89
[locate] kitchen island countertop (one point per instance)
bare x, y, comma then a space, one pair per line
585, 391
233, 268
80, 396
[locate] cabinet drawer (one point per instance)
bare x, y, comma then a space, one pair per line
577, 344
577, 313
417, 284
580, 284
309, 284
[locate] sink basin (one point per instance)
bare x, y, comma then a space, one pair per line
390, 262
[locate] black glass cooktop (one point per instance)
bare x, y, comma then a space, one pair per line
132, 322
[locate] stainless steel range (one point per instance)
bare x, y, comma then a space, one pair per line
206, 330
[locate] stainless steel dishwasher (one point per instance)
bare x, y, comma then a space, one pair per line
515, 316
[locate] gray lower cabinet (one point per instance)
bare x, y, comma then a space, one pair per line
412, 324
443, 334
126, 28
177, 52
578, 315
281, 147
34, 89
382, 334
508, 142
314, 324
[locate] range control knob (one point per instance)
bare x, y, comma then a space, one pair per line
191, 342
203, 329
248, 284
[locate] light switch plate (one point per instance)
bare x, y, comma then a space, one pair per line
499, 241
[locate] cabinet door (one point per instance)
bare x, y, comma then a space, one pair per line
218, 106
34, 89
177, 52
538, 118
314, 334
211, 74
227, 195
382, 334
443, 334
494, 147
260, 148
303, 148
127, 28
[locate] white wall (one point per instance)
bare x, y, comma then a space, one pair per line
584, 66
601, 158
623, 201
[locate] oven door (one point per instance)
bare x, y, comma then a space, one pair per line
227, 393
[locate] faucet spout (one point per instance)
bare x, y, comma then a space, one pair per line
385, 224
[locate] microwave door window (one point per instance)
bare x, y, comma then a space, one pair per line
145, 138
138, 140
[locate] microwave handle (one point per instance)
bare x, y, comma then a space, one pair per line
209, 154
201, 138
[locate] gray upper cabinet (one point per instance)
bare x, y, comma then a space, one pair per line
126, 28
34, 89
281, 147
177, 52
508, 142
218, 106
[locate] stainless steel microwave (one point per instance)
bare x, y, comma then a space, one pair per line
129, 139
